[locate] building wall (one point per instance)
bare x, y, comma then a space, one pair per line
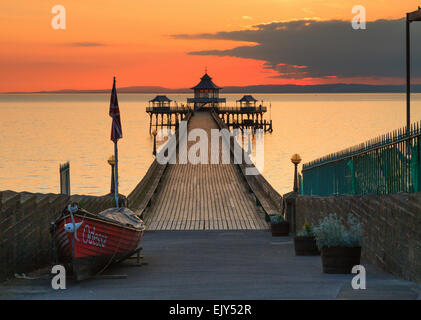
391, 227
25, 241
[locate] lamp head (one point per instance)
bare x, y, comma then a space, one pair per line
111, 160
296, 159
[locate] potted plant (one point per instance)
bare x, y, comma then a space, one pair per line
340, 246
279, 226
305, 242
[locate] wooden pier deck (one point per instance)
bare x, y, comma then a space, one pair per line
203, 196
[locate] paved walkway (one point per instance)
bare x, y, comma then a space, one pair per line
219, 265
203, 196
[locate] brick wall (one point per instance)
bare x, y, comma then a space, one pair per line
25, 242
391, 227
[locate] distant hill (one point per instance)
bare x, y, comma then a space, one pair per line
132, 89
289, 88
321, 88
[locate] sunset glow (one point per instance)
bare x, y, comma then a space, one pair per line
134, 41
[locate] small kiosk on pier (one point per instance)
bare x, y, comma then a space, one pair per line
206, 94
160, 102
248, 108
161, 105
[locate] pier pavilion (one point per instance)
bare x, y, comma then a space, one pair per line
161, 106
160, 102
247, 101
246, 114
206, 94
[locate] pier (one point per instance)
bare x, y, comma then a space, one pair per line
203, 196
161, 110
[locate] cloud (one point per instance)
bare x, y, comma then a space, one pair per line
247, 17
314, 48
87, 44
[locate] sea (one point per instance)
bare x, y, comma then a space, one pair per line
38, 132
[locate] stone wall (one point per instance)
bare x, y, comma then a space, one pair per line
391, 226
25, 241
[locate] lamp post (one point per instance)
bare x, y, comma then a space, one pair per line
295, 159
154, 142
410, 16
111, 162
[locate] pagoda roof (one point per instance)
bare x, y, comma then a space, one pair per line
247, 98
160, 99
206, 83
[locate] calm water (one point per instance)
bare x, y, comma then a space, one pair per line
40, 131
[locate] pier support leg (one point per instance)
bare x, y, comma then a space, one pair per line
150, 123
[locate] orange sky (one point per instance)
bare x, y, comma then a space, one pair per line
135, 42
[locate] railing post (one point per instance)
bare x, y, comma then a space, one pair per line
65, 178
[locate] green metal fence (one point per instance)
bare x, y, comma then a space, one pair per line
387, 164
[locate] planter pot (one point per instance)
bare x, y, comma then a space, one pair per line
340, 259
280, 229
305, 246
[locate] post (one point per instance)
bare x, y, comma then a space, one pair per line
410, 16
65, 178
295, 159
112, 180
111, 162
150, 122
116, 174
154, 133
408, 73
300, 181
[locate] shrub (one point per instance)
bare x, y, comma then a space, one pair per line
277, 218
331, 232
306, 230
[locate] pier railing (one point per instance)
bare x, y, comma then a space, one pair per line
387, 164
241, 109
266, 196
142, 194
171, 109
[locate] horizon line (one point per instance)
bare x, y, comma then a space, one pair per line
161, 89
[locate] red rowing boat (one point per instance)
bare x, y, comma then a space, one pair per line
88, 243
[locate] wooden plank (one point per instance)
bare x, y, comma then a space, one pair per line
203, 196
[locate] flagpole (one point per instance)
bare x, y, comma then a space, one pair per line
116, 133
116, 173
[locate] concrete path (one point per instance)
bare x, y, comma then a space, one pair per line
218, 265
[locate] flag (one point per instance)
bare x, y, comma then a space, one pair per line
116, 132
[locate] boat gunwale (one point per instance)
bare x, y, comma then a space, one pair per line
62, 217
